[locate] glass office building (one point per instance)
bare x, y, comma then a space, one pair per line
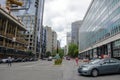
33, 19
100, 30
31, 14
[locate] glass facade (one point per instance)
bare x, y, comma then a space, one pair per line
30, 13
101, 22
29, 22
74, 31
116, 48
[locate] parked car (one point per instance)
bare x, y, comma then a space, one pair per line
24, 59
0, 60
4, 60
31, 59
100, 66
13, 59
67, 58
44, 59
35, 59
18, 60
86, 60
94, 59
50, 58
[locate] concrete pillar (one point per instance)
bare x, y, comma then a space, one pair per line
6, 26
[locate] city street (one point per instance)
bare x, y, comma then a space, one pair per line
46, 70
54, 29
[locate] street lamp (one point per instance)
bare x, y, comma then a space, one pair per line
58, 43
57, 46
36, 28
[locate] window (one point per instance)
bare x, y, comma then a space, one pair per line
106, 62
112, 61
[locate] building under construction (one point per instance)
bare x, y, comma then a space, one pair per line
12, 42
30, 12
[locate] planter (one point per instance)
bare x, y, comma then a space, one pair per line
58, 62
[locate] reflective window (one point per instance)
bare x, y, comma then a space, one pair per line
101, 21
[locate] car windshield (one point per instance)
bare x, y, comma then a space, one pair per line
114, 60
95, 61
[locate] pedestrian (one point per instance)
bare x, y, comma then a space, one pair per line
9, 61
102, 56
76, 60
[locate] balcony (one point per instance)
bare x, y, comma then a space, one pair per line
12, 46
22, 40
9, 35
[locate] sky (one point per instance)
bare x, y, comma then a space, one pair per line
59, 14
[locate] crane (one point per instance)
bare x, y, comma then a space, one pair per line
9, 2
23, 5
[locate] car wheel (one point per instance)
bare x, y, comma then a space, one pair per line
94, 72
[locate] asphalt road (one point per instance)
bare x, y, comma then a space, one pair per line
40, 70
76, 76
46, 70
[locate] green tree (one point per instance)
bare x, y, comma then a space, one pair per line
73, 50
30, 53
48, 53
60, 52
54, 53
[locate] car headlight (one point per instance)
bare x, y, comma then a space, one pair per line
86, 68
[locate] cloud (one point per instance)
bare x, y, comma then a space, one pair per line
59, 14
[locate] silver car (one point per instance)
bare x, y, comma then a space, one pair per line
100, 66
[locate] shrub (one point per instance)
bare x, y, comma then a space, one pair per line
58, 61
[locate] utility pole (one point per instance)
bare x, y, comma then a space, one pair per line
36, 27
58, 41
57, 46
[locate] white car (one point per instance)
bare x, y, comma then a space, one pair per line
50, 58
4, 60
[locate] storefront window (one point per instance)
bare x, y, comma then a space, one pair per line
116, 48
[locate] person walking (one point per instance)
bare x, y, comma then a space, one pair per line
76, 59
9, 61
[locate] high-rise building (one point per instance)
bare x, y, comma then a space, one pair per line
43, 52
100, 30
65, 50
54, 41
31, 13
58, 44
75, 32
51, 40
29, 21
48, 39
68, 40
32, 17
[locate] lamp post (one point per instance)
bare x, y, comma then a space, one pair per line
58, 43
35, 28
57, 46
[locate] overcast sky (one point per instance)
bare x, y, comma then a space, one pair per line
59, 14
